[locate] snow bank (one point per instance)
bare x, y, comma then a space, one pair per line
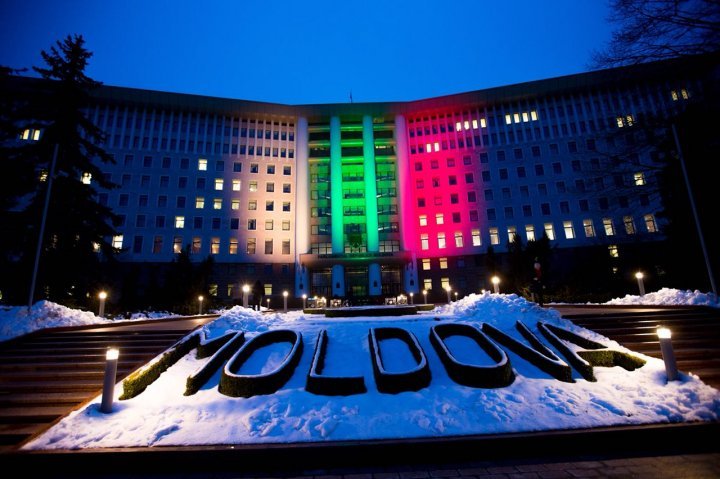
669, 296
16, 321
535, 401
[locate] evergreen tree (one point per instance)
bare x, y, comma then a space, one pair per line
77, 225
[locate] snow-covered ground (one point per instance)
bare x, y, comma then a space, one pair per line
669, 296
535, 401
16, 320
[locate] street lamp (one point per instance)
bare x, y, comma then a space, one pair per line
268, 303
111, 360
245, 290
200, 300
455, 295
667, 353
411, 298
285, 296
641, 285
425, 295
496, 284
102, 296
448, 289
304, 296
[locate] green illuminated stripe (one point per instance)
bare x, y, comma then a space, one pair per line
371, 218
336, 196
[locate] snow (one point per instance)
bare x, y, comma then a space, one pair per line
669, 296
16, 320
163, 416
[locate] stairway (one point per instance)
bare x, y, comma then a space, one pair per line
47, 374
695, 333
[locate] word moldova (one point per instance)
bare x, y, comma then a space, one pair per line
231, 351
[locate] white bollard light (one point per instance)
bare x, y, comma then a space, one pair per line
111, 360
245, 290
304, 296
425, 295
641, 284
102, 296
668, 354
285, 297
496, 284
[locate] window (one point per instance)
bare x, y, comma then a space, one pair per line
269, 205
629, 223
476, 240
237, 168
419, 184
196, 245
494, 236
518, 153
469, 178
527, 211
439, 218
491, 216
286, 188
250, 246
550, 231
650, 223
545, 209
608, 226
503, 173
254, 168
427, 284
270, 169
445, 283
197, 222
215, 246
589, 228
286, 225
423, 220
535, 151
471, 197
454, 199
268, 247
218, 184
235, 204
268, 225
286, 247
117, 242
234, 223
424, 242
443, 263
639, 178
564, 207
508, 212
613, 250
426, 264
287, 170
458, 239
86, 178
569, 230
236, 185
157, 244
252, 205
137, 244
512, 232
253, 186
441, 240
217, 204
252, 224
521, 173
179, 222
530, 232
202, 165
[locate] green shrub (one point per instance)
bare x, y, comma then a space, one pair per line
196, 381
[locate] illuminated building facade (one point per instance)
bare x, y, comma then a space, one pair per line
363, 200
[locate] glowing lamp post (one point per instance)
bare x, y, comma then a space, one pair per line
425, 295
456, 295
102, 296
411, 298
111, 360
245, 290
304, 296
200, 300
496, 284
667, 353
268, 303
448, 289
641, 285
285, 296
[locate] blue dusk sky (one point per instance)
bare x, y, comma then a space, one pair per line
313, 51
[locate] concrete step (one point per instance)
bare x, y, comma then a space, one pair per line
48, 375
12, 415
42, 398
62, 366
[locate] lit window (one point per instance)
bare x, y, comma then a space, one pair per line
629, 223
439, 219
423, 220
230, 289
217, 204
613, 250
475, 124
179, 222
674, 95
424, 242
253, 186
43, 176
235, 204
476, 241
96, 246
494, 236
458, 126
445, 283
428, 148
196, 245
268, 250
218, 184
525, 117
441, 240
236, 185
437, 146
86, 178
233, 248
550, 231
639, 178
202, 165
683, 94
251, 246
516, 117
252, 205
117, 242
268, 225
483, 123
511, 231
569, 230
508, 119
443, 263
458, 239
286, 225
533, 115
608, 226
199, 202
30, 134
427, 284
215, 246
177, 244
213, 289
530, 232
589, 228
650, 223
466, 124
426, 264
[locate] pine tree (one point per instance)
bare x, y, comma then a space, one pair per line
77, 225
